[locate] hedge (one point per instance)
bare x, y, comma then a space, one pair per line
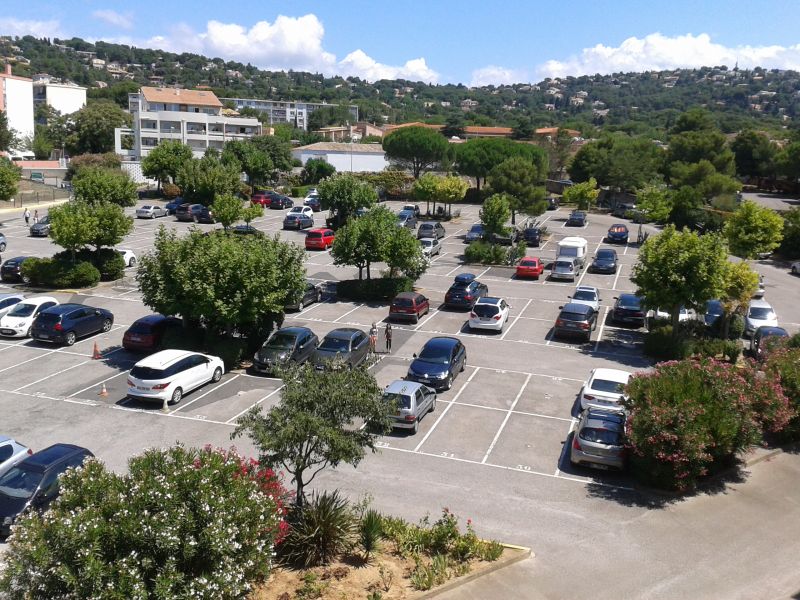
230, 350
56, 273
108, 261
384, 288
493, 254
300, 191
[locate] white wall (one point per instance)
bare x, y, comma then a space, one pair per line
345, 161
19, 105
66, 99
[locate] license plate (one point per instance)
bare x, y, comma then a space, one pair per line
44, 337
600, 466
423, 379
143, 388
136, 338
7, 331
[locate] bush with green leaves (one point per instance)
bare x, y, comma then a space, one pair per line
488, 254
110, 264
182, 523
59, 273
783, 365
316, 170
384, 288
370, 532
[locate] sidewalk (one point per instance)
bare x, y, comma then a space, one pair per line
6, 211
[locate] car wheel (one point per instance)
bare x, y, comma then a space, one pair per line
415, 429
449, 383
26, 279
69, 338
416, 318
463, 365
106, 325
301, 304
28, 333
132, 262
433, 405
152, 215
217, 375
176, 396
2, 246
794, 269
317, 297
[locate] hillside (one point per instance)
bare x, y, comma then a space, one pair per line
646, 103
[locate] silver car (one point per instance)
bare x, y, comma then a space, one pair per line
410, 402
588, 295
151, 211
11, 452
430, 246
565, 268
598, 440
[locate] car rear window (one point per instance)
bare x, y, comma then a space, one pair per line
584, 295
605, 254
141, 327
314, 234
485, 310
20, 482
619, 229
528, 263
630, 302
48, 318
601, 436
571, 316
758, 312
567, 251
564, 264
148, 373
403, 302
335, 345
610, 387
399, 400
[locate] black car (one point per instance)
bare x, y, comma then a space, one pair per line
280, 201
617, 234
575, 320
246, 230
2, 243
605, 261
552, 203
347, 344
714, 310
465, 291
33, 483
532, 236
508, 238
314, 203
628, 309
204, 215
289, 344
438, 363
311, 294
577, 218
65, 323
298, 221
41, 228
12, 269
764, 337
188, 212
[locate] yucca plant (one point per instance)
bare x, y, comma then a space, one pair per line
370, 532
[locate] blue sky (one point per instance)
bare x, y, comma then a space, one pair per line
466, 41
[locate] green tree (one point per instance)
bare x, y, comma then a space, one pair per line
741, 282
702, 176
42, 147
451, 189
787, 162
343, 194
686, 207
454, 126
364, 240
694, 146
681, 268
227, 209
111, 225
753, 230
523, 129
254, 161
7, 137
109, 160
654, 201
426, 189
477, 157
278, 150
754, 154
521, 182
95, 185
315, 170
403, 253
494, 214
9, 179
252, 212
72, 226
165, 160
790, 246
312, 426
202, 180
93, 128
618, 161
584, 194
417, 149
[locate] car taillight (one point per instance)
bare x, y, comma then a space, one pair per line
575, 443
584, 326
559, 323
468, 297
58, 327
131, 384
160, 386
497, 317
638, 314
588, 397
472, 315
410, 418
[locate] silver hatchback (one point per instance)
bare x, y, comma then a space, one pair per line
598, 440
410, 402
565, 268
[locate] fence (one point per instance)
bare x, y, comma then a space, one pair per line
31, 193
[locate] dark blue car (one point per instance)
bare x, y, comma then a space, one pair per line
438, 363
65, 323
605, 261
173, 205
465, 291
577, 218
617, 234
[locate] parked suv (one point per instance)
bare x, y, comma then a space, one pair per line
145, 334
188, 212
431, 229
465, 291
598, 440
171, 374
12, 269
65, 323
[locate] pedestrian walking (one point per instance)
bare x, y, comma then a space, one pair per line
35, 216
27, 215
373, 337
387, 334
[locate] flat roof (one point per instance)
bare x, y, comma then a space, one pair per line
180, 96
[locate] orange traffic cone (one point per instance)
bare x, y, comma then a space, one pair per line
103, 393
96, 352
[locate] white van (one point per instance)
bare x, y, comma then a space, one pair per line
572, 247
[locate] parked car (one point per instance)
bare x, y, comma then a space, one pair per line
9, 301
598, 440
628, 309
430, 246
298, 220
565, 268
552, 203
530, 266
604, 389
262, 198
532, 236
413, 208
475, 233
145, 334
313, 202
32, 484
171, 374
11, 453
19, 320
11, 270
605, 261
588, 295
465, 291
438, 363
409, 401
764, 337
319, 239
41, 228
431, 229
575, 320
622, 209
311, 294
795, 268
406, 218
759, 313
205, 215
188, 212
173, 205
65, 323
617, 234
658, 314
409, 305
577, 218
714, 310
279, 201
507, 238
303, 210
761, 289
3, 243
489, 313
347, 344
286, 345
128, 256
246, 230
151, 211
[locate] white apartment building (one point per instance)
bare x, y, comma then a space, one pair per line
193, 117
66, 98
16, 100
294, 113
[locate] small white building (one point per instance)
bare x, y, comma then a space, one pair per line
16, 100
348, 158
66, 98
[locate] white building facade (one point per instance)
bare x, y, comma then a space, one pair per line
193, 117
294, 113
16, 100
66, 98
348, 158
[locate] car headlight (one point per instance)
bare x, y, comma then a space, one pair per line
440, 375
8, 520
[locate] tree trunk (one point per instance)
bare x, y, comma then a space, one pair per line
676, 321
360, 272
478, 182
299, 494
513, 217
369, 276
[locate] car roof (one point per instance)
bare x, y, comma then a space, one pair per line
529, 258
151, 319
759, 303
411, 295
39, 299
606, 251
611, 374
164, 358
587, 288
403, 387
52, 455
628, 296
573, 307
489, 300
320, 229
293, 330
618, 225
12, 295
64, 308
343, 333
465, 278
441, 341
428, 224
477, 226
573, 240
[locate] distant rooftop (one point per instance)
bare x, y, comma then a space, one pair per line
180, 96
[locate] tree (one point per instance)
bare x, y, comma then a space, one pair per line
741, 282
227, 209
686, 207
315, 170
702, 176
201, 180
494, 215
584, 194
787, 161
654, 201
165, 160
754, 154
313, 425
252, 160
252, 212
694, 146
343, 194
417, 149
403, 253
111, 225
95, 185
93, 128
681, 268
426, 189
790, 246
451, 189
364, 240
9, 179
7, 137
72, 226
454, 126
477, 157
520, 181
41, 146
753, 230
278, 150
523, 129
618, 161
109, 160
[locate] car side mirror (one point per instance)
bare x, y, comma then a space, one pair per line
97, 312
414, 355
560, 307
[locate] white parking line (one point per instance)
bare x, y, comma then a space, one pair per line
616, 278
426, 319
505, 420
600, 333
433, 260
447, 408
483, 273
98, 383
86, 362
259, 401
453, 270
503, 336
359, 305
201, 396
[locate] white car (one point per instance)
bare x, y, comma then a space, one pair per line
301, 210
11, 452
658, 314
604, 389
796, 268
151, 211
17, 323
759, 314
171, 374
489, 313
128, 256
9, 301
588, 295
430, 246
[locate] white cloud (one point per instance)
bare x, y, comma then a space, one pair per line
21, 27
359, 64
494, 75
112, 17
659, 52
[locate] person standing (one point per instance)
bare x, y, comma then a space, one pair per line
35, 216
373, 337
27, 214
387, 334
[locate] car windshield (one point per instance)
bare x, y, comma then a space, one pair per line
20, 482
631, 302
714, 308
608, 386
435, 354
762, 313
403, 302
22, 310
147, 373
399, 400
281, 341
584, 295
314, 234
146, 207
141, 327
601, 436
528, 262
619, 229
563, 265
332, 344
485, 310
570, 316
427, 243
605, 255
476, 229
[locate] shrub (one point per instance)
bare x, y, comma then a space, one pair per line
229, 349
183, 523
300, 191
735, 327
57, 273
384, 288
370, 532
487, 254
317, 169
784, 365
109, 263
170, 191
660, 344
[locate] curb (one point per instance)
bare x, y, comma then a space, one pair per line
520, 553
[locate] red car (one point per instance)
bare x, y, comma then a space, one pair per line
262, 198
145, 334
319, 239
530, 267
409, 305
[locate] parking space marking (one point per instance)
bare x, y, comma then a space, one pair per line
505, 420
257, 402
433, 260
201, 396
80, 364
88, 387
446, 409
616, 278
426, 319
357, 306
503, 336
447, 237
451, 271
600, 333
564, 449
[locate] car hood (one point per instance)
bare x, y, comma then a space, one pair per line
321, 356
9, 321
273, 354
11, 507
604, 261
424, 367
37, 226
